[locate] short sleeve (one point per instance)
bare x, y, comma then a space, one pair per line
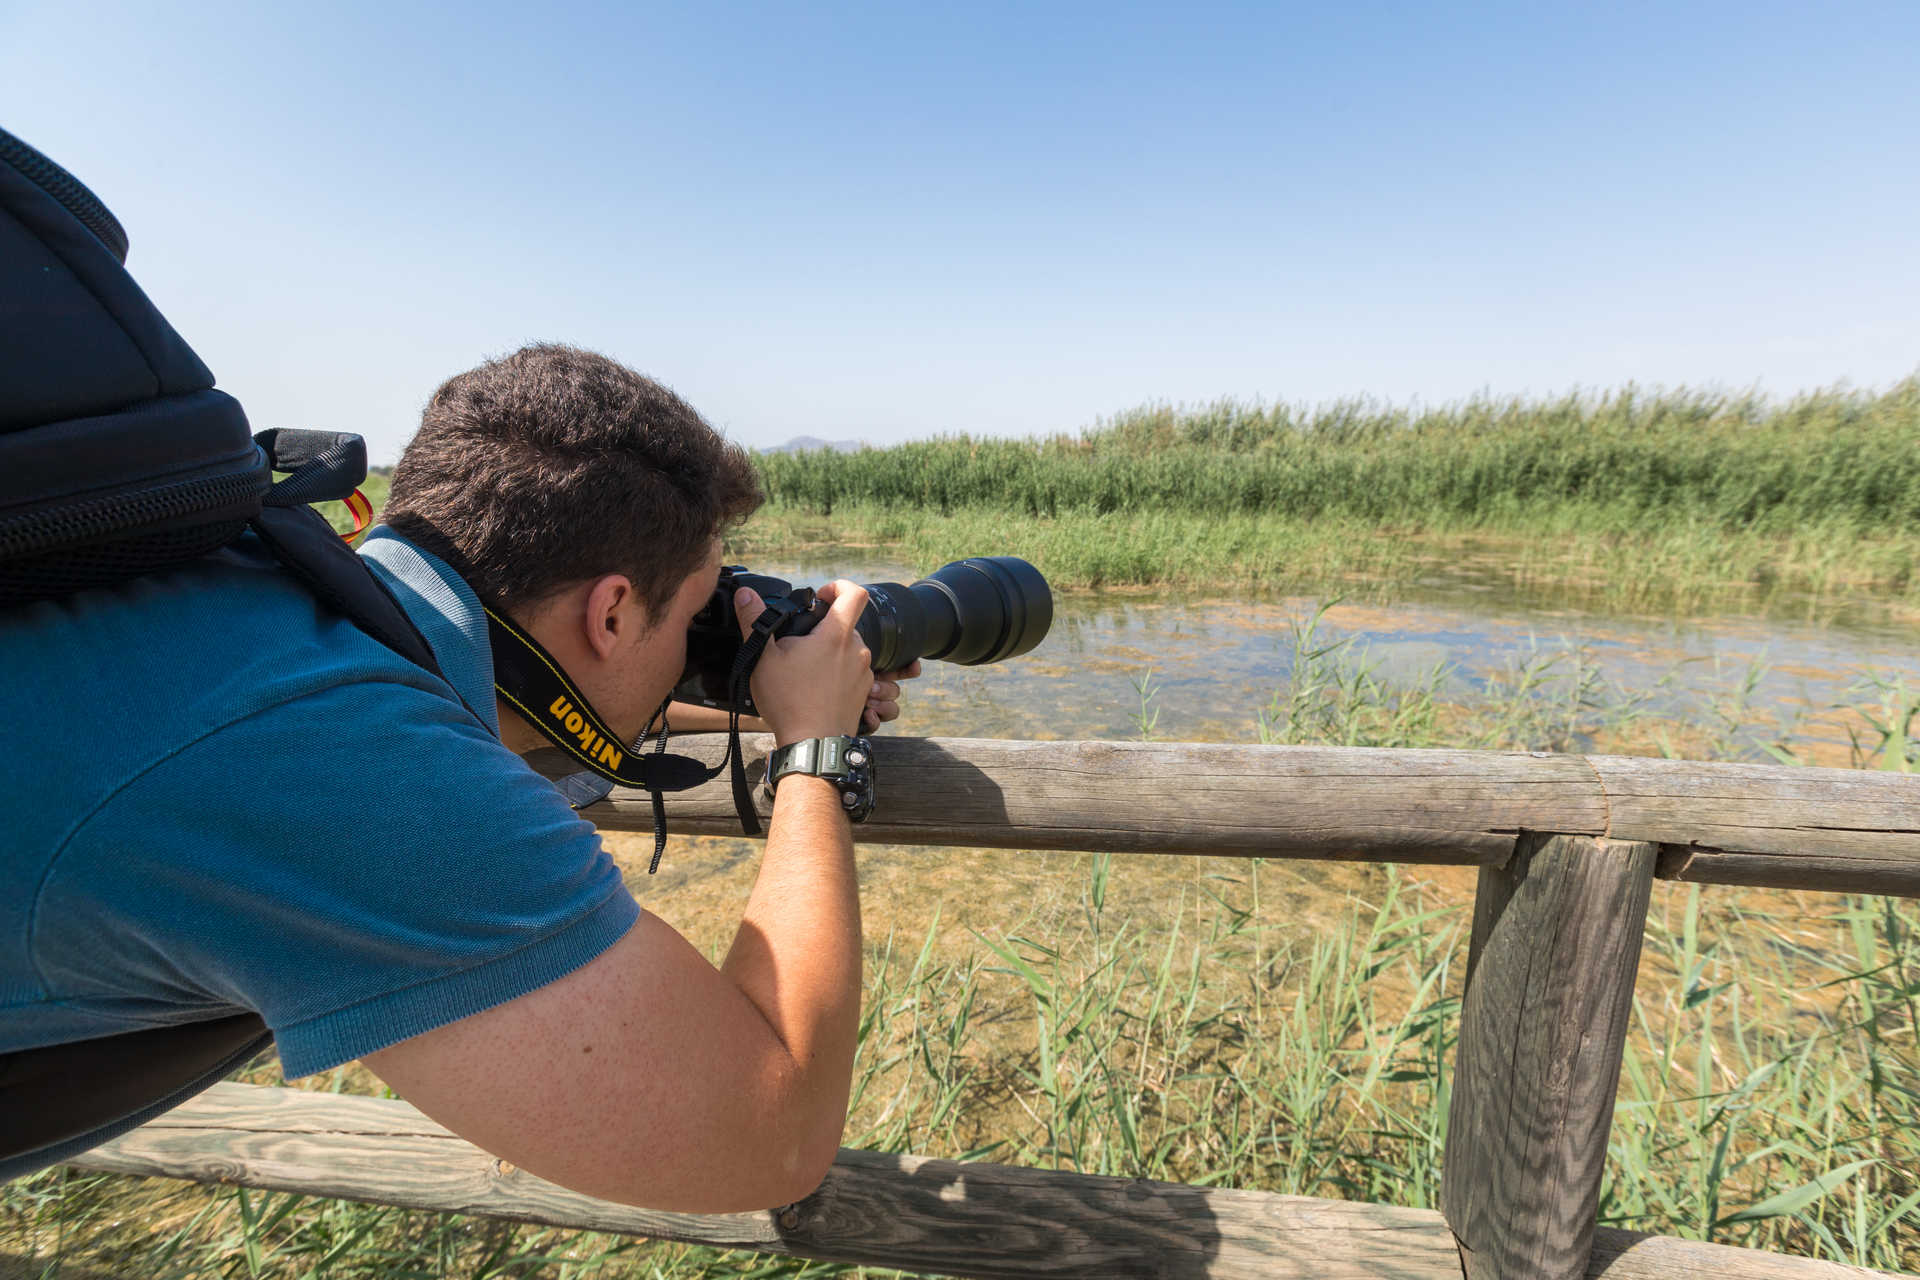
359, 865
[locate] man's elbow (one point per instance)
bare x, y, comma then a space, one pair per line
780, 1160
815, 1166
799, 1139
766, 1176
803, 1161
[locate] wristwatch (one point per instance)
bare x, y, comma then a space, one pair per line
845, 762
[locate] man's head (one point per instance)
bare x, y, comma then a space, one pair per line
585, 500
554, 466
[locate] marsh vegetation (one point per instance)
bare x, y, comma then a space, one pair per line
1669, 500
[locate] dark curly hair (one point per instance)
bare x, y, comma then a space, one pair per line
554, 465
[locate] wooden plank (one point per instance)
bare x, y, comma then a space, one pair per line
1556, 942
1834, 829
934, 1216
1848, 830
1301, 802
1628, 1255
383, 1152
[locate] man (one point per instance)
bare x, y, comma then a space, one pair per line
242, 802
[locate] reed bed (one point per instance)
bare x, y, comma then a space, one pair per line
1625, 456
1248, 1025
1680, 498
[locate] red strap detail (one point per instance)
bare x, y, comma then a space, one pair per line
362, 511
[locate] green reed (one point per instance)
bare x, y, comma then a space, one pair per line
1767, 1099
1734, 461
1664, 499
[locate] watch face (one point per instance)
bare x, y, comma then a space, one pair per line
845, 762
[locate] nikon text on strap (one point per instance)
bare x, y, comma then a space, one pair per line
532, 682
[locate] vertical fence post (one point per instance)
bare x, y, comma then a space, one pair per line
1556, 941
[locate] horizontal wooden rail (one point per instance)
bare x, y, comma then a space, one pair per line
1840, 830
916, 1214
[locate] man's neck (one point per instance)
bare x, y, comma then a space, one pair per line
516, 734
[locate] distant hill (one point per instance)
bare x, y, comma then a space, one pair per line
800, 444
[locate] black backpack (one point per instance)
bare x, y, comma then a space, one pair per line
118, 458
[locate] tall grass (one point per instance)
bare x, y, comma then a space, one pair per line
1767, 1095
1663, 493
1734, 461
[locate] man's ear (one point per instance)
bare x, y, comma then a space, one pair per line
613, 609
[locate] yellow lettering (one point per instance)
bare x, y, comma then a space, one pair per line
611, 756
574, 722
560, 707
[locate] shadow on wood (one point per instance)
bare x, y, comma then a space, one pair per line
1838, 830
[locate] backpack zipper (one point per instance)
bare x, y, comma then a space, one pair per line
68, 190
99, 518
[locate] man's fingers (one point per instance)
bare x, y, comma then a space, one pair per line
909, 672
849, 601
747, 605
884, 690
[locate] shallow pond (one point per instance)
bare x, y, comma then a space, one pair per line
1215, 664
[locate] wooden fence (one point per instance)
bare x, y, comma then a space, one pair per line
1568, 848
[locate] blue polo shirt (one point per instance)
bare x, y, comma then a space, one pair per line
217, 797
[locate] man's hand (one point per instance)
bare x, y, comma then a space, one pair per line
883, 704
883, 700
817, 685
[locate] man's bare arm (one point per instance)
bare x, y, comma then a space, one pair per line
691, 717
651, 1077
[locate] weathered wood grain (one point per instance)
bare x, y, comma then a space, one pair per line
934, 1216
1832, 829
383, 1152
1556, 942
1772, 825
1406, 806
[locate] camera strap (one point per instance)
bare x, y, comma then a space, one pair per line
532, 682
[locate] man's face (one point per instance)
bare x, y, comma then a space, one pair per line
647, 670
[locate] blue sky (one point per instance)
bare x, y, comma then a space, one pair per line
883, 222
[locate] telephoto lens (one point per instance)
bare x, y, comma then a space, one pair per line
982, 609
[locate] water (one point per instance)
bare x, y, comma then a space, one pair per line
1210, 665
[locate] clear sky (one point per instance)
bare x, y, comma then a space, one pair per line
887, 221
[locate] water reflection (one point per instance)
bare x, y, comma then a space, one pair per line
1216, 663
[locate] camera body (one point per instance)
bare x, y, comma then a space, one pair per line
983, 609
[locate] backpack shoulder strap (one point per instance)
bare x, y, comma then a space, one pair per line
329, 466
